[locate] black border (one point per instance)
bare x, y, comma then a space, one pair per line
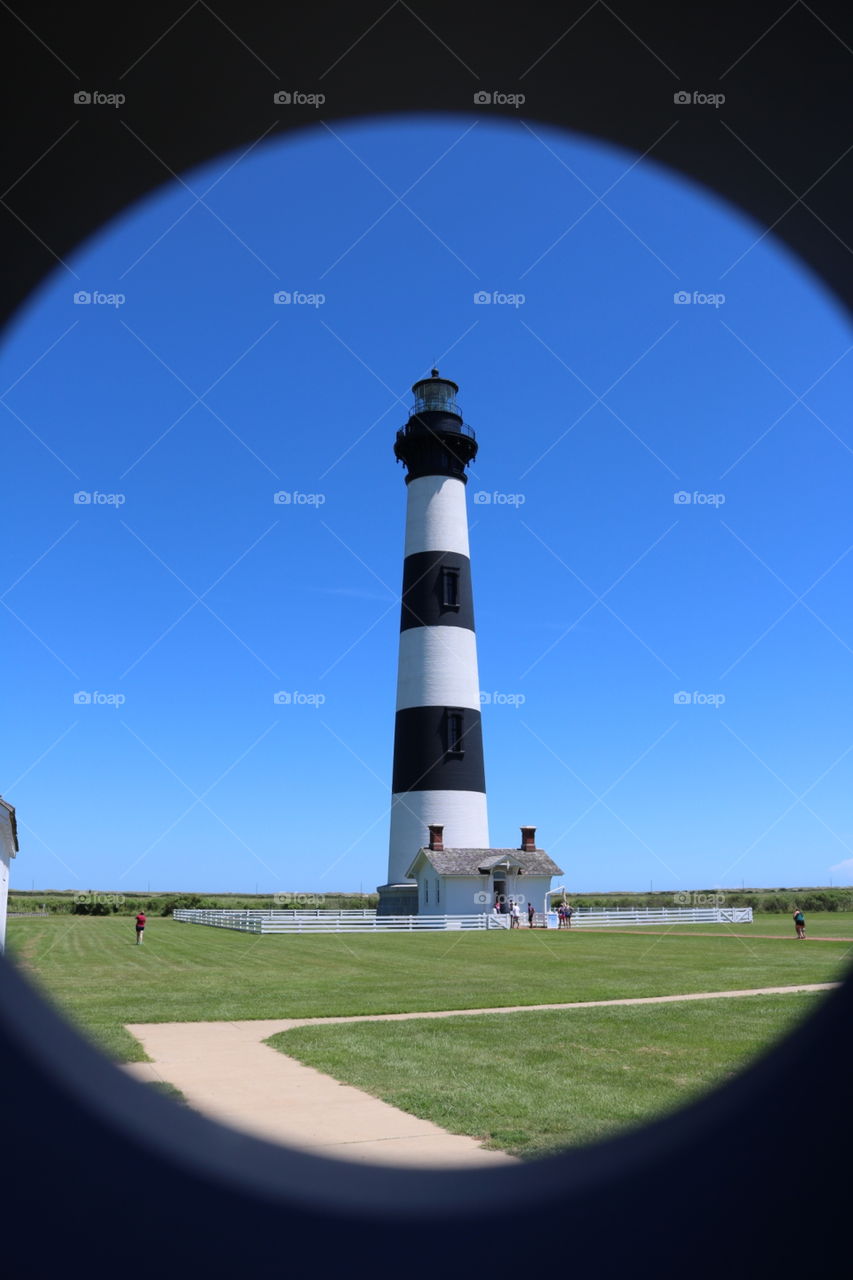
749, 1180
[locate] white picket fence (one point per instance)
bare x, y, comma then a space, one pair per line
586, 916
367, 921
335, 921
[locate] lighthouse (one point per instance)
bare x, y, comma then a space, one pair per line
438, 773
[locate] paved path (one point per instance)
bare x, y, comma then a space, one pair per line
227, 1073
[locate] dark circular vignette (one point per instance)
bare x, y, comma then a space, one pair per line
103, 1170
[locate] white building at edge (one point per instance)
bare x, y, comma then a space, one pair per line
468, 881
8, 850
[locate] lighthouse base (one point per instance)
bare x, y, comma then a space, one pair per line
398, 899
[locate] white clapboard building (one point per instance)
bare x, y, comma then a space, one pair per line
8, 849
466, 881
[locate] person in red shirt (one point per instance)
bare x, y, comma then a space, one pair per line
140, 927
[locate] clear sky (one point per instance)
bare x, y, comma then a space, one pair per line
181, 598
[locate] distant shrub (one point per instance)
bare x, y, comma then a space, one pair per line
178, 902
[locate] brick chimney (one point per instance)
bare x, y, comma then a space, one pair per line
436, 837
528, 839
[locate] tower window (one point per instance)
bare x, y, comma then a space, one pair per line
450, 588
455, 733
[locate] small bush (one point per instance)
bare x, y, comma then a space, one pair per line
179, 902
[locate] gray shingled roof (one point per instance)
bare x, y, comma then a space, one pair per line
14, 824
472, 862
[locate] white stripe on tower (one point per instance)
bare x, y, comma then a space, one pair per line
436, 516
438, 668
438, 749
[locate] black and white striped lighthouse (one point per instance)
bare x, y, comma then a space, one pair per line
438, 741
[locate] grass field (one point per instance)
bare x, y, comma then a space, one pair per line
827, 924
535, 1083
91, 969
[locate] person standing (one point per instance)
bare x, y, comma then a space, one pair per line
531, 914
799, 922
570, 911
514, 916
140, 927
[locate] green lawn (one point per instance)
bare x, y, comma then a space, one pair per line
534, 1083
91, 968
828, 924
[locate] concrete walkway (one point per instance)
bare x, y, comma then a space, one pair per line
228, 1074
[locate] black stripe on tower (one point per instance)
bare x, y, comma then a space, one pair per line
435, 444
437, 591
438, 749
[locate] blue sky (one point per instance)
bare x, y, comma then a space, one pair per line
181, 598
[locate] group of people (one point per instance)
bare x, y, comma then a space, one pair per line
565, 911
514, 911
510, 907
